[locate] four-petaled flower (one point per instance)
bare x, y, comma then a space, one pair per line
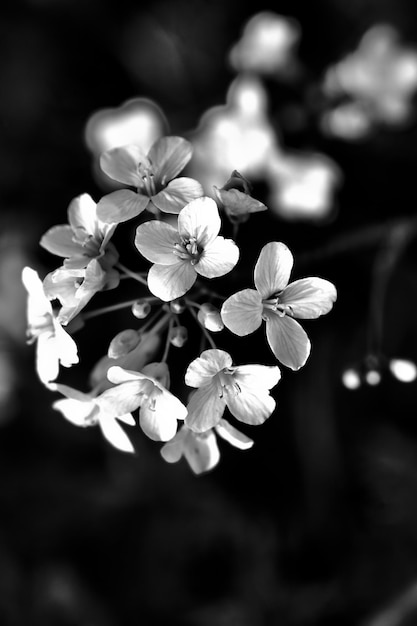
200, 450
85, 238
54, 344
179, 254
152, 175
244, 389
277, 302
159, 408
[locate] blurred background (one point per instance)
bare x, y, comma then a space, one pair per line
315, 102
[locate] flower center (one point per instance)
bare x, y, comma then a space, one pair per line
227, 383
273, 304
148, 179
188, 250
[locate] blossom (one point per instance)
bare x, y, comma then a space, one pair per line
74, 288
278, 303
200, 450
152, 175
83, 409
54, 344
85, 238
234, 197
179, 254
244, 389
159, 408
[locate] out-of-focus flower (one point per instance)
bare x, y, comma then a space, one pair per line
267, 45
180, 254
278, 303
380, 76
210, 317
244, 389
74, 288
124, 342
138, 121
85, 238
403, 370
141, 308
159, 408
153, 176
178, 336
84, 409
302, 186
200, 450
54, 344
235, 136
236, 200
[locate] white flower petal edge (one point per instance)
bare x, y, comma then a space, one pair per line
201, 371
200, 219
233, 436
218, 258
114, 433
242, 312
288, 341
199, 449
121, 164
155, 240
169, 282
309, 298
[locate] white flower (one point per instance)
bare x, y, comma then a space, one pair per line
84, 238
277, 302
152, 175
54, 344
180, 254
200, 450
84, 409
159, 409
244, 389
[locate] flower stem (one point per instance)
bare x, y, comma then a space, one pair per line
167, 341
130, 274
191, 305
108, 309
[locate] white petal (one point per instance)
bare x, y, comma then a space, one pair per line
288, 341
172, 451
121, 164
201, 451
66, 347
156, 419
273, 269
121, 399
265, 376
127, 419
251, 405
219, 257
47, 358
177, 194
38, 305
201, 371
117, 374
70, 392
169, 282
115, 434
242, 312
59, 240
169, 156
75, 411
155, 240
233, 436
82, 214
120, 206
205, 408
200, 219
309, 297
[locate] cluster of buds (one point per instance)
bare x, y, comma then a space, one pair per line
130, 384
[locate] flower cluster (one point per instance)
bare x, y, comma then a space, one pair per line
182, 252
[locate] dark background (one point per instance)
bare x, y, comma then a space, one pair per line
316, 525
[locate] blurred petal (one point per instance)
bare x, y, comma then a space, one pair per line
200, 219
288, 340
273, 269
47, 359
173, 450
169, 156
155, 240
158, 416
66, 346
121, 164
201, 371
233, 436
242, 312
177, 194
121, 399
309, 297
201, 451
218, 258
169, 282
76, 411
115, 434
59, 240
205, 409
120, 206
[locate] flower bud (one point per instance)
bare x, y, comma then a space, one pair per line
236, 200
178, 336
177, 306
123, 343
159, 371
210, 318
141, 309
